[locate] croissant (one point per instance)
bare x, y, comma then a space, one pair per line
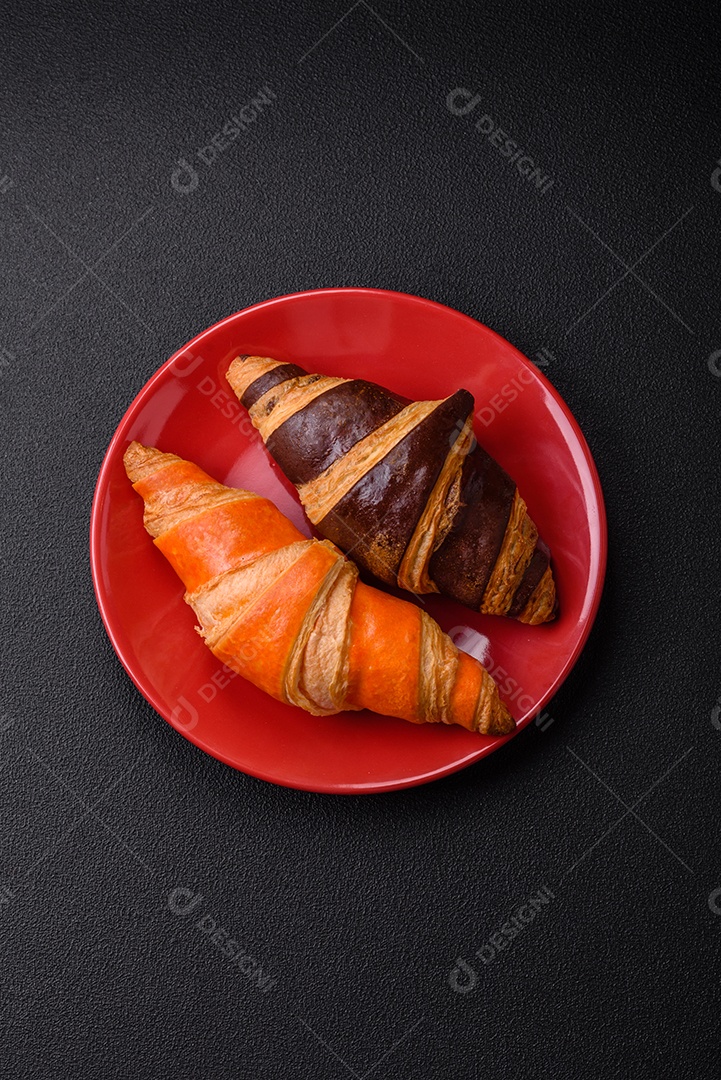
402, 485
289, 613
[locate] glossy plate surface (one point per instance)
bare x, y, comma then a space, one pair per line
421, 350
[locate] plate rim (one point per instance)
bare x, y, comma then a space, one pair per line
599, 529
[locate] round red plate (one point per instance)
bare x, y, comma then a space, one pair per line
421, 350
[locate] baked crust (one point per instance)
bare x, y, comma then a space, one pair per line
289, 613
402, 486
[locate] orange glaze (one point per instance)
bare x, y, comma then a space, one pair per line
223, 537
466, 690
385, 635
259, 645
269, 626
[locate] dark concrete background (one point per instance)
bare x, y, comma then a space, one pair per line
359, 909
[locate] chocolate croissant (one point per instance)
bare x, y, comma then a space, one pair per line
290, 615
402, 486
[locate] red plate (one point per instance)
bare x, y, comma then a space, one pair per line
421, 350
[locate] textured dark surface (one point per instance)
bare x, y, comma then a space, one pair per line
357, 172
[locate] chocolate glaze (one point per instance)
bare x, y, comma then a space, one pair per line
308, 442
383, 508
266, 382
534, 572
381, 511
462, 565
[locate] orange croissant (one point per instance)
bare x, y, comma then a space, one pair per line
290, 615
